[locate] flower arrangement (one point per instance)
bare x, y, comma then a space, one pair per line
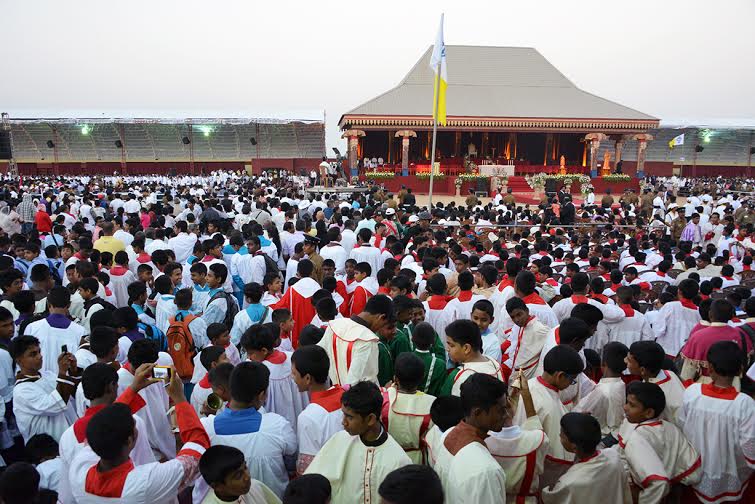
426, 175
467, 177
537, 181
570, 177
379, 174
616, 177
586, 188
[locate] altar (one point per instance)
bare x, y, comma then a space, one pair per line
492, 170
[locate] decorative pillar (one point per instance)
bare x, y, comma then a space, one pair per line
353, 139
405, 136
619, 149
642, 143
594, 140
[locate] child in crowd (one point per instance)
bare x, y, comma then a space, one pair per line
208, 359
254, 313
199, 288
482, 316
524, 341
465, 349
273, 287
446, 412
633, 327
283, 319
224, 469
646, 359
323, 416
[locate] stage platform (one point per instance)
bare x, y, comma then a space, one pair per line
346, 190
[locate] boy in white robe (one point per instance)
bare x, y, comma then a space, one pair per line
468, 471
56, 330
656, 452
446, 412
634, 326
525, 340
464, 344
166, 306
352, 344
357, 459
595, 476
525, 287
41, 399
105, 474
224, 469
120, 278
266, 439
210, 357
677, 318
645, 359
159, 431
562, 367
521, 450
322, 417
366, 287
606, 401
435, 306
406, 413
412, 483
219, 336
100, 381
580, 285
720, 424
460, 307
503, 293
482, 315
283, 396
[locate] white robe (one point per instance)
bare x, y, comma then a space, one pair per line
356, 470
598, 479
40, 409
338, 254
51, 341
488, 367
630, 329
499, 299
673, 389
571, 395
408, 419
317, 423
119, 285
521, 453
673, 325
720, 424
606, 404
472, 476
457, 309
369, 254
352, 350
283, 396
525, 346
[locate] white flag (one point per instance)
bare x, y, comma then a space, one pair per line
678, 140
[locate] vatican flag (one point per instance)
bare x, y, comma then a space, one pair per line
677, 140
438, 64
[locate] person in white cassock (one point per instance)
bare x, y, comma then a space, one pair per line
677, 318
595, 475
562, 367
352, 343
412, 484
521, 450
524, 341
297, 299
104, 472
322, 417
645, 359
720, 424
503, 293
100, 383
357, 459
159, 431
224, 469
266, 439
364, 252
334, 250
525, 288
468, 471
657, 453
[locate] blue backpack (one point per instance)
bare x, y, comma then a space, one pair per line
154, 333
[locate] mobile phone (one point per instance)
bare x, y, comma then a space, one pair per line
64, 349
162, 373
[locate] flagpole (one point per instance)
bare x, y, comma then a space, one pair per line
435, 132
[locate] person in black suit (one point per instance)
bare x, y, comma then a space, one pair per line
568, 212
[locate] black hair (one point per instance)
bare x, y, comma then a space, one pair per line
721, 311
412, 484
163, 285
572, 330
20, 344
447, 412
254, 292
310, 335
142, 351
248, 380
307, 489
590, 314
614, 354
312, 360
401, 282
563, 358
59, 297
220, 374
210, 354
280, 315
465, 332
219, 461
466, 280
183, 299
19, 484
650, 395
582, 429
649, 355
24, 302
515, 303
215, 330
96, 378
725, 358
258, 337
484, 306
109, 429
409, 370
220, 271
436, 284
688, 288
363, 398
481, 391
40, 447
380, 305
123, 317
102, 341
305, 268
423, 336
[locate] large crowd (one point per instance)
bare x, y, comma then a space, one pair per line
235, 338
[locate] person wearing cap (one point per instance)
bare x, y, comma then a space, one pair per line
385, 218
310, 248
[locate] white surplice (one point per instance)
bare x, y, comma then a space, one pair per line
352, 350
599, 479
673, 325
283, 396
606, 404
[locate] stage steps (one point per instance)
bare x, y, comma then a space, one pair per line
519, 185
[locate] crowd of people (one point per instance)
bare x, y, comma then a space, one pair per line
227, 338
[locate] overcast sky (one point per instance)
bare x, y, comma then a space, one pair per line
684, 61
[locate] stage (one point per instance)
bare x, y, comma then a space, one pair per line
340, 191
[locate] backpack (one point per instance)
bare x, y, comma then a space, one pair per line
749, 331
55, 273
181, 346
154, 333
271, 266
231, 307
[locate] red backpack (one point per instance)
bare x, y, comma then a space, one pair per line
181, 346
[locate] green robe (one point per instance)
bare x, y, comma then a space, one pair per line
448, 384
402, 342
385, 362
432, 383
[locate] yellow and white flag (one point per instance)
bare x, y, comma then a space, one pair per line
438, 63
677, 140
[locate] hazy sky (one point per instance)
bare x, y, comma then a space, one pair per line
685, 61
